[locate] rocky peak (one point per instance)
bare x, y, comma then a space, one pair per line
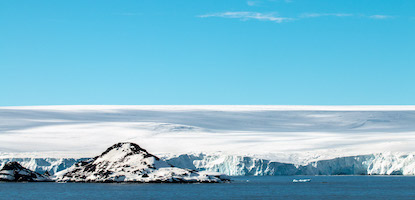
128, 162
14, 172
127, 149
12, 166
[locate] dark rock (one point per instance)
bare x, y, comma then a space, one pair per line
14, 172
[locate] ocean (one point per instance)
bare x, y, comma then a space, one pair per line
242, 187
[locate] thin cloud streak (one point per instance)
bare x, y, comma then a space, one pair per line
381, 17
313, 15
244, 16
252, 3
249, 15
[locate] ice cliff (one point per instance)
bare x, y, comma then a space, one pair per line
42, 165
373, 164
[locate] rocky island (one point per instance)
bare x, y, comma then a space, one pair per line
128, 162
14, 172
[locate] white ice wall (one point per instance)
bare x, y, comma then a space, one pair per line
375, 164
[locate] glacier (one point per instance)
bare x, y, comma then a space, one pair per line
233, 165
42, 165
235, 140
374, 164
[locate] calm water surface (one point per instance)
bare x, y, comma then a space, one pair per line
271, 187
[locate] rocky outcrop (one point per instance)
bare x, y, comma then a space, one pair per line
42, 165
128, 162
14, 172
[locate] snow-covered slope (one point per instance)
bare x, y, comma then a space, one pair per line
295, 134
233, 139
42, 165
374, 164
14, 172
128, 162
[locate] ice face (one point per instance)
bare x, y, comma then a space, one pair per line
236, 140
374, 164
42, 165
84, 131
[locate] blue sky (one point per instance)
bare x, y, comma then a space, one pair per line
146, 52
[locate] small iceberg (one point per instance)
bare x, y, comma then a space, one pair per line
306, 180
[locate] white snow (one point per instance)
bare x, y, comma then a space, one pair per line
375, 164
127, 162
295, 134
301, 180
13, 171
42, 165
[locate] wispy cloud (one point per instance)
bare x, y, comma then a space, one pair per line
314, 15
250, 15
275, 18
381, 17
252, 3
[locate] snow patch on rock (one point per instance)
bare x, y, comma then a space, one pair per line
14, 172
42, 165
128, 162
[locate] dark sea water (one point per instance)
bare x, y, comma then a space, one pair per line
271, 187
